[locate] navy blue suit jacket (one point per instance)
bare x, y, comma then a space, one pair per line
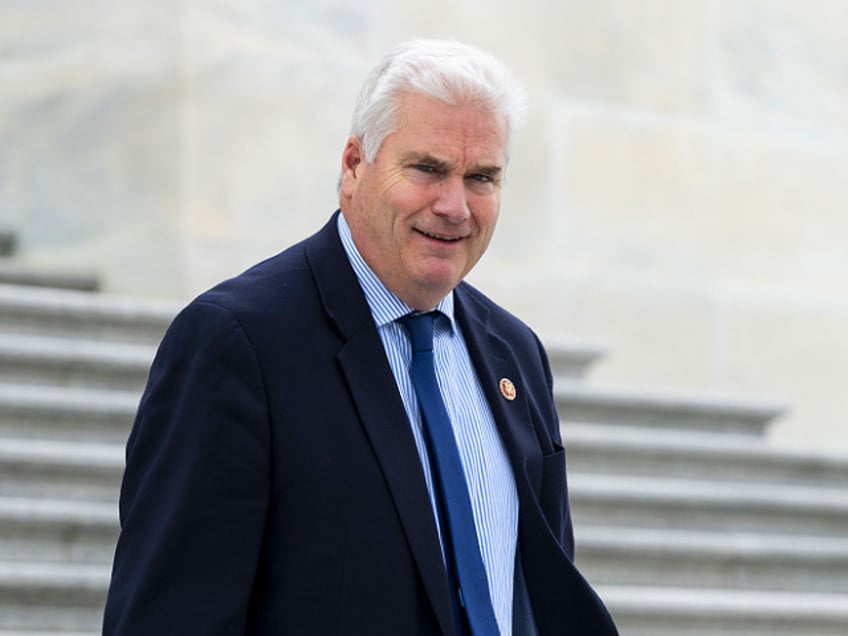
272, 483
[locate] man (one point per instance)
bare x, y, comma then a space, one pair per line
286, 474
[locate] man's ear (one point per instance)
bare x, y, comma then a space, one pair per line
353, 159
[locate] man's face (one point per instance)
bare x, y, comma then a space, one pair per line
424, 212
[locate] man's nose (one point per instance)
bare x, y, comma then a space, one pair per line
452, 202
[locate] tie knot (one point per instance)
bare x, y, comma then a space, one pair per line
420, 329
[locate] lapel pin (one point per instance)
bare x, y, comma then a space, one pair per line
507, 389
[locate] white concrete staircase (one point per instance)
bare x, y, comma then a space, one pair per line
72, 367
688, 521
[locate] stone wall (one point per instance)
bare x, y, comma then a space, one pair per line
679, 191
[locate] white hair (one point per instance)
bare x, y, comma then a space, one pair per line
449, 72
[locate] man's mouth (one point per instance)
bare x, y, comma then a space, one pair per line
440, 237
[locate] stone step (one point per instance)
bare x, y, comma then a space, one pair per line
83, 314
57, 531
720, 560
66, 413
664, 409
16, 273
39, 632
642, 451
571, 359
74, 362
8, 242
52, 597
87, 471
673, 611
645, 502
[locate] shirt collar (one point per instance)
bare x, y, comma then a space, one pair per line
385, 306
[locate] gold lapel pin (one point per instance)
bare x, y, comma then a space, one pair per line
507, 389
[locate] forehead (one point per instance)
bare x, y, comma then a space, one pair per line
465, 132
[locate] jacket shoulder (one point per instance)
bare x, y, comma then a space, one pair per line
276, 286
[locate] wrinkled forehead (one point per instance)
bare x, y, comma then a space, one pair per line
433, 124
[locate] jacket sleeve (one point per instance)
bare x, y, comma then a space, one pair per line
196, 486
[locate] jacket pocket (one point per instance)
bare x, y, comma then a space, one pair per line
553, 496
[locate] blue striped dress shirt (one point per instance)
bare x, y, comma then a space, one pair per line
491, 484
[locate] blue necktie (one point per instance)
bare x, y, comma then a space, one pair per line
466, 571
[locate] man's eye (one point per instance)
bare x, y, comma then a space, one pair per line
424, 168
482, 178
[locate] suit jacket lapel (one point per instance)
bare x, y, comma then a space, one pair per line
563, 602
372, 385
494, 360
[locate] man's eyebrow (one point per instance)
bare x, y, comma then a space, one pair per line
425, 159
492, 171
